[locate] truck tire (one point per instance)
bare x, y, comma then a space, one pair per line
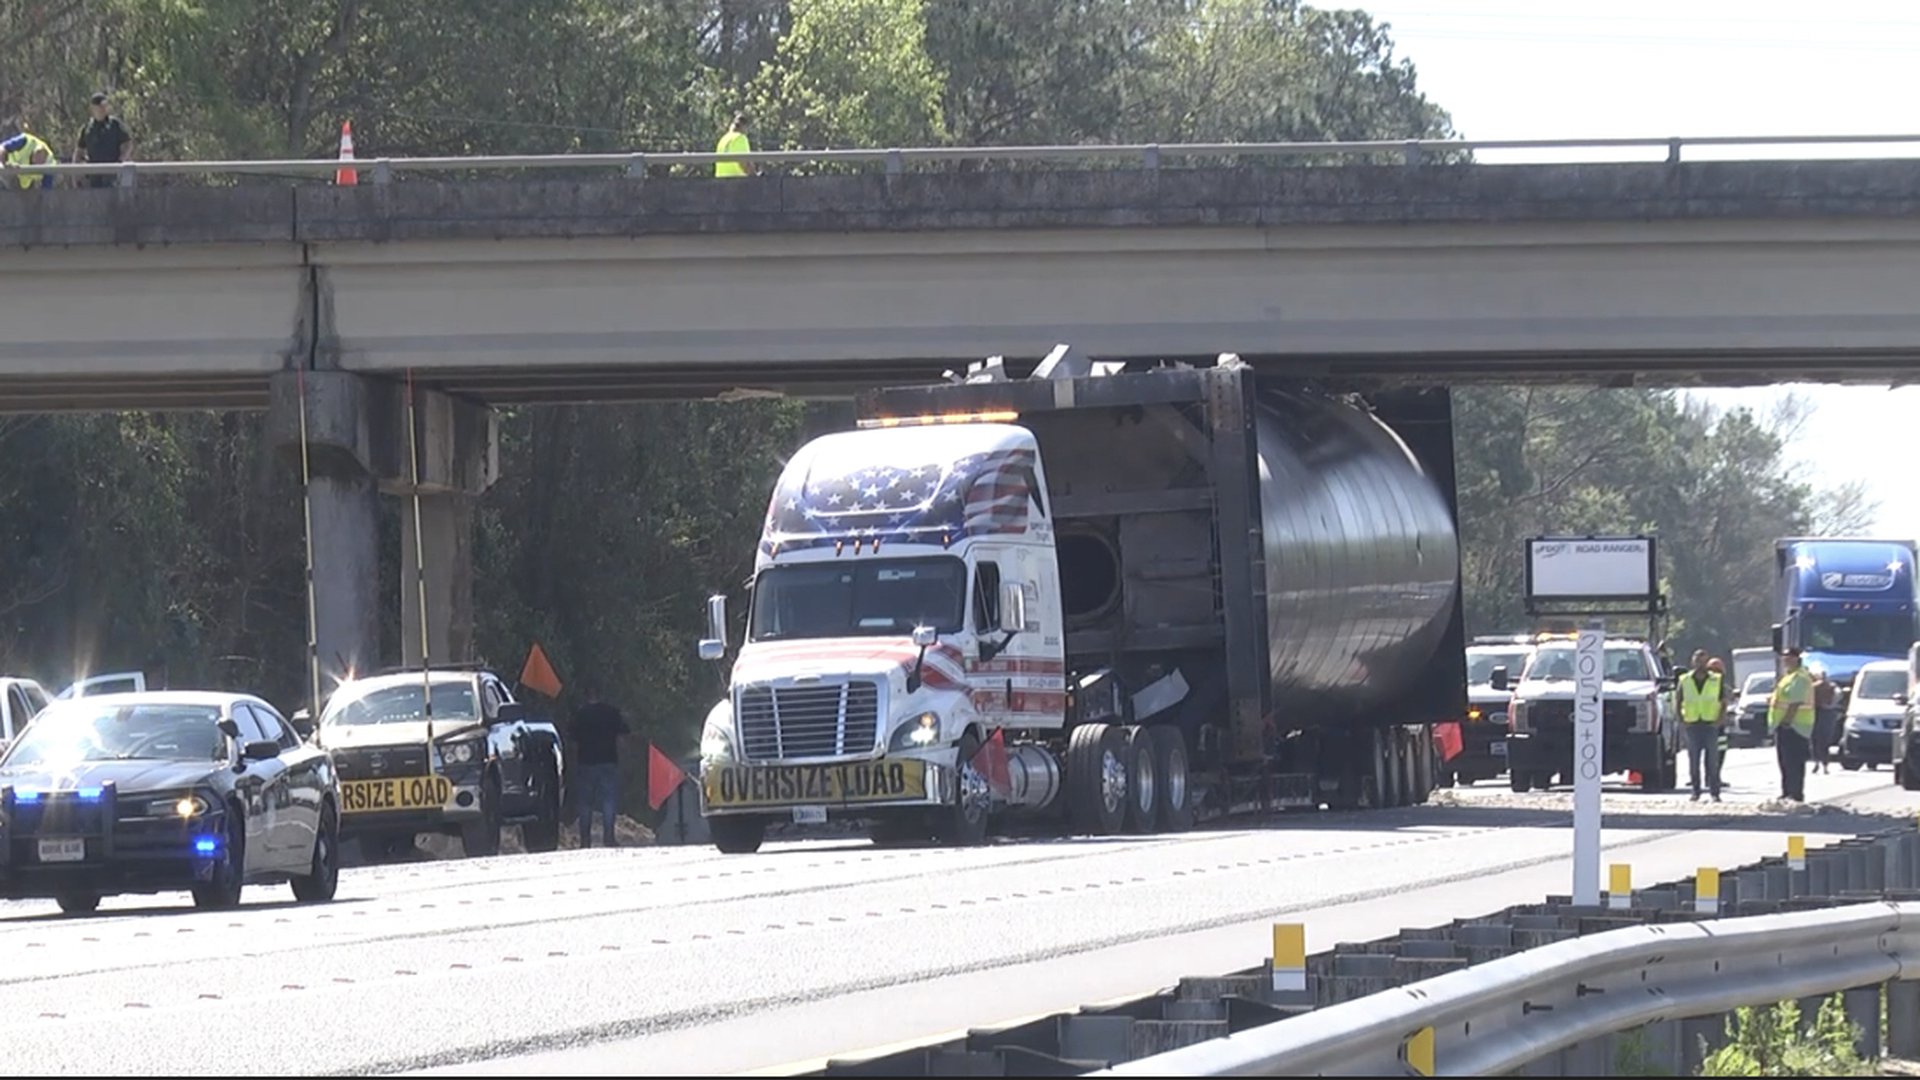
1143, 782
1175, 803
1386, 785
964, 823
1909, 776
737, 835
542, 834
1520, 780
1097, 779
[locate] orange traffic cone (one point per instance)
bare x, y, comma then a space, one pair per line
344, 174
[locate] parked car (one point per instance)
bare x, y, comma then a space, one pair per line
152, 792
20, 701
1747, 726
1483, 738
1874, 709
473, 765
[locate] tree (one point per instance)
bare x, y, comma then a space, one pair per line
852, 73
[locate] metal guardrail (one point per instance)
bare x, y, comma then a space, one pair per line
1413, 152
1509, 1013
1571, 998
1350, 1009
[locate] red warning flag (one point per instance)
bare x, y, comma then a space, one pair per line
1447, 739
990, 761
663, 777
537, 675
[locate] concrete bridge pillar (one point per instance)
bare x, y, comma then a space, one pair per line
456, 443
345, 510
357, 448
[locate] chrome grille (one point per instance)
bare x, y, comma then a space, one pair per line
380, 762
816, 721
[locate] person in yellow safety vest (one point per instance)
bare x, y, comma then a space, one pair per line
1790, 718
734, 142
1698, 700
25, 149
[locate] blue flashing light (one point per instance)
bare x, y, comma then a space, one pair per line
26, 796
88, 793
206, 845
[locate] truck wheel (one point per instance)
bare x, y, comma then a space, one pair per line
1097, 779
737, 835
964, 824
1175, 813
1143, 781
1909, 776
1520, 780
79, 903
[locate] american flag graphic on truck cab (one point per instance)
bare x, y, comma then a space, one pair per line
989, 493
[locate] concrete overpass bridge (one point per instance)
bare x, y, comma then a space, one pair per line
633, 287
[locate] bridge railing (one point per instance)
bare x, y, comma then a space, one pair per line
896, 160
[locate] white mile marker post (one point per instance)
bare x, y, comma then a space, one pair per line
1589, 663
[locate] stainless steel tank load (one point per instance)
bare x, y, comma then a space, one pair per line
1362, 557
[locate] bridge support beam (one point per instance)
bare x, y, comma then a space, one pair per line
356, 449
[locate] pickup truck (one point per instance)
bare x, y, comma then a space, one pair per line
1641, 730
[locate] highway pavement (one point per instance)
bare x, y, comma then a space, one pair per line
656, 961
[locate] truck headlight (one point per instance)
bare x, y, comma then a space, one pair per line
1517, 716
463, 752
715, 743
1643, 714
918, 733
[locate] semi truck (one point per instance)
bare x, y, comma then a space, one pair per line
1846, 602
1107, 598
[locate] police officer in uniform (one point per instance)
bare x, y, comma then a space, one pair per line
1698, 700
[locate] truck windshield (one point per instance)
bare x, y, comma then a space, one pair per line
1871, 635
1624, 663
1881, 684
1480, 665
1759, 683
848, 599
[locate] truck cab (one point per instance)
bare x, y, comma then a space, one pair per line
1846, 602
900, 613
1637, 715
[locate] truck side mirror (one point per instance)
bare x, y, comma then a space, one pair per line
924, 637
1779, 639
1900, 698
1013, 607
1500, 679
302, 723
714, 645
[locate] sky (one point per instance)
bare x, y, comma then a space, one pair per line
1570, 69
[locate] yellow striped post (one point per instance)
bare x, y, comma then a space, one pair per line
1418, 1052
1620, 886
1706, 890
1289, 957
1796, 853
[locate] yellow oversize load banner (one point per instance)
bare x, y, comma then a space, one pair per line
814, 785
397, 793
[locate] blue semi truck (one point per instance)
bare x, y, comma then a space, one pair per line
1846, 602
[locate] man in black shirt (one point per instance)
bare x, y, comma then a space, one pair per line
597, 727
103, 141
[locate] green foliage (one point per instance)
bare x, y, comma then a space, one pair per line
852, 73
1714, 488
1773, 1042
